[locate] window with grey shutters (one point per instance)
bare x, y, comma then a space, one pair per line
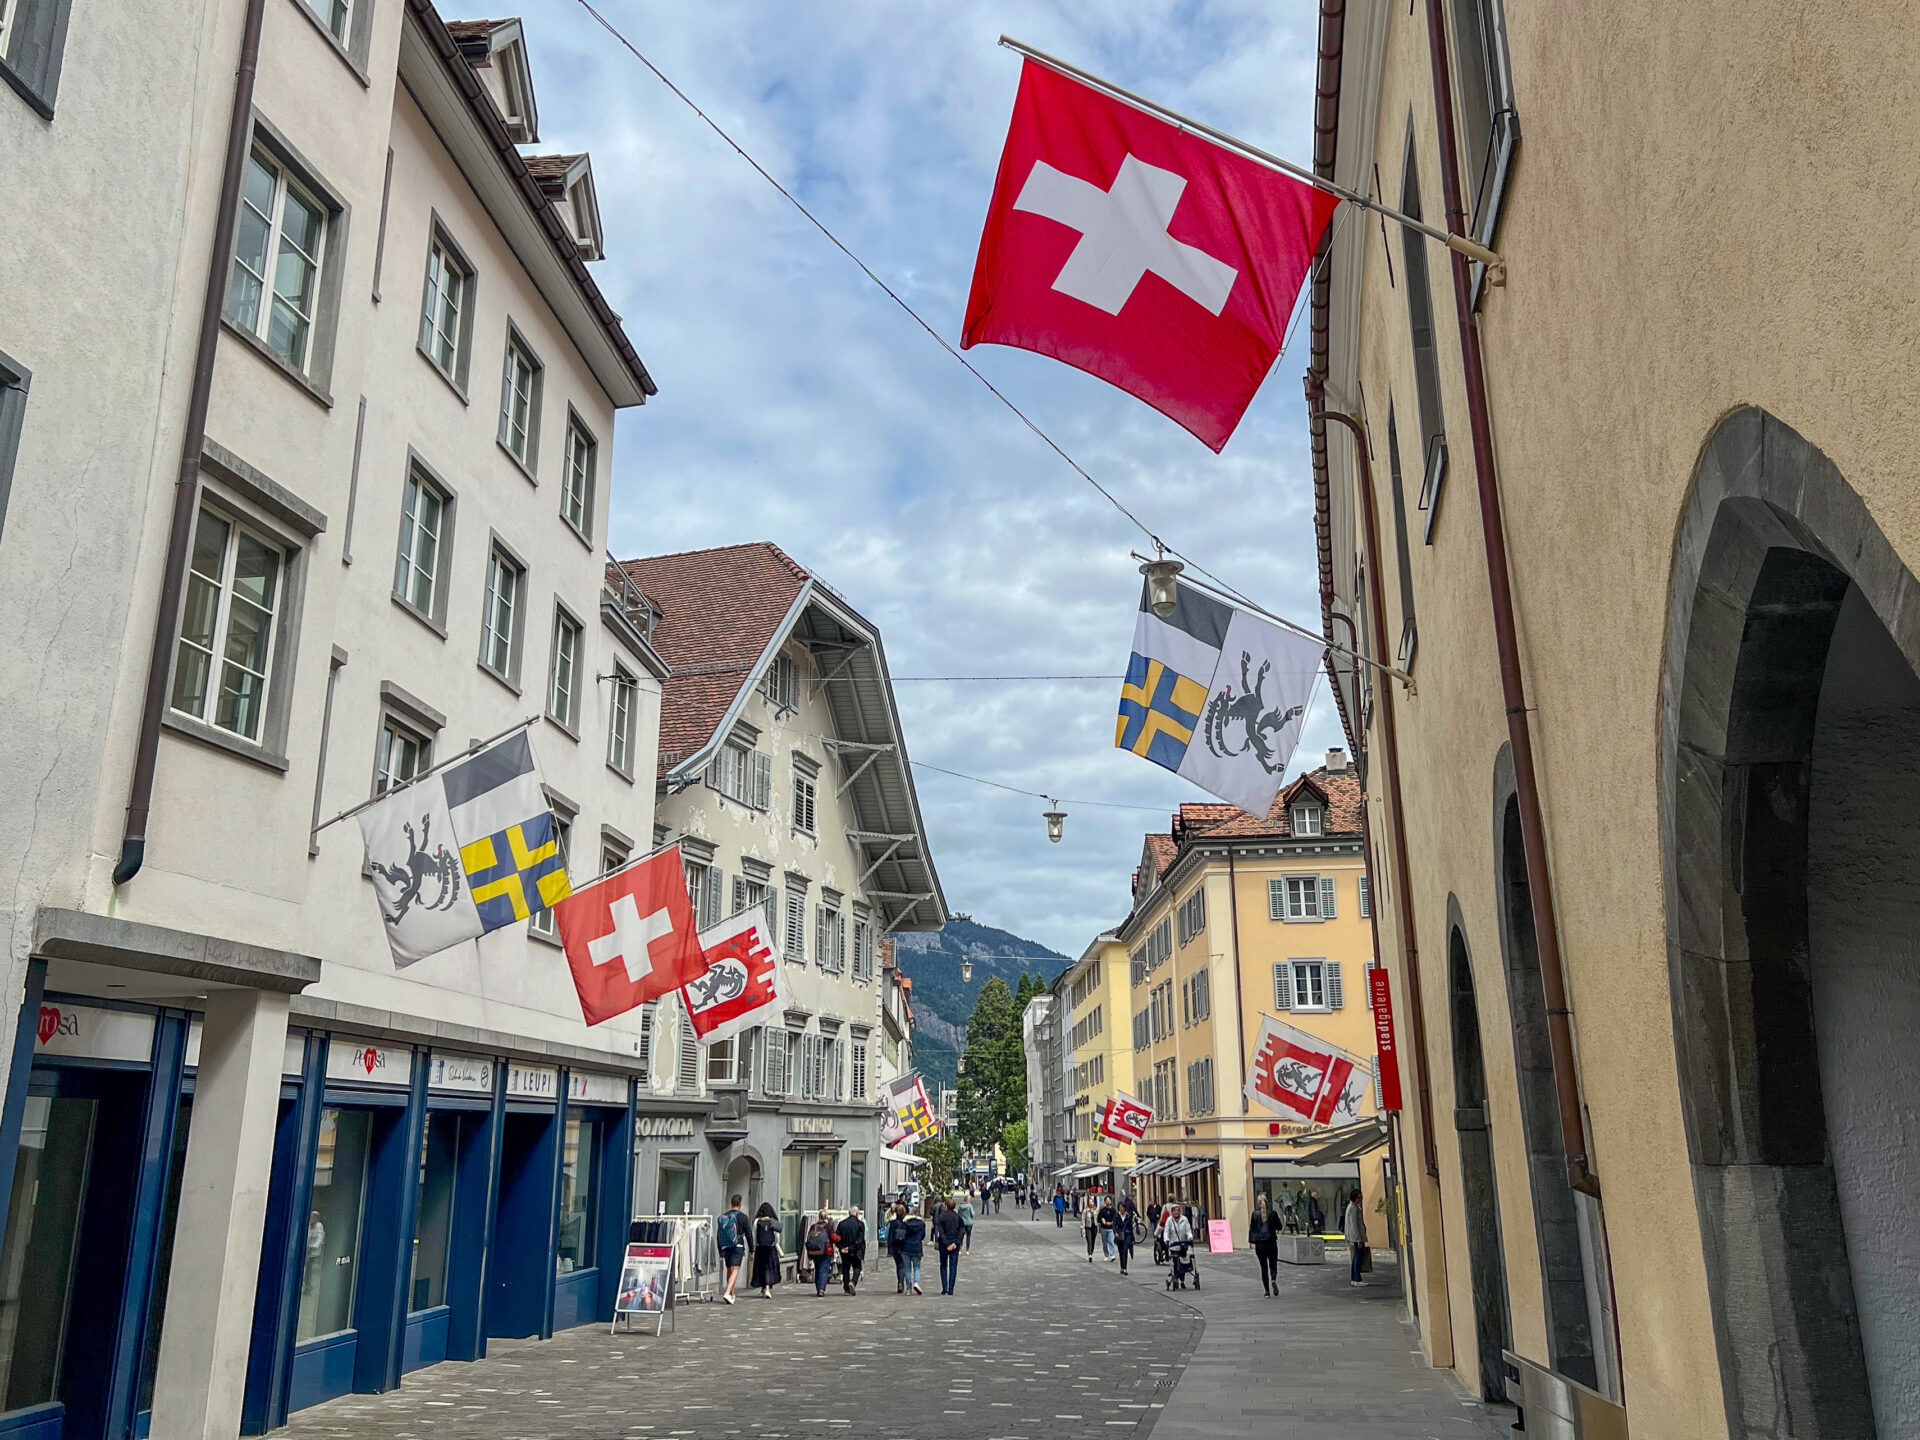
862, 948
859, 1086
1327, 910
1282, 985
776, 1047
1276, 899
1366, 897
687, 1078
1335, 998
796, 947
804, 799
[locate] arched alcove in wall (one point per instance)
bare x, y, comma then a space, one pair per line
1473, 1130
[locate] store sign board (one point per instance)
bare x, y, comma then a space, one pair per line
533, 1082
462, 1074
1381, 997
809, 1124
663, 1127
365, 1062
585, 1087
81, 1032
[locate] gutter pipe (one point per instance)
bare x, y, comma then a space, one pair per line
186, 494
1566, 1083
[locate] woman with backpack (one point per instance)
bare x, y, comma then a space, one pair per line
819, 1249
766, 1249
731, 1236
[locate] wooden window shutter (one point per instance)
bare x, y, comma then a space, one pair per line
1282, 985
762, 781
1326, 897
1276, 899
1335, 999
646, 1044
1366, 897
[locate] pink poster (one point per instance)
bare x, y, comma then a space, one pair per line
1219, 1237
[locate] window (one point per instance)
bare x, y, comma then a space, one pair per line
402, 754
1489, 127
13, 409
542, 922
1301, 897
803, 804
1312, 985
500, 620
1137, 965
333, 15
780, 685
576, 483
742, 773
644, 1055
796, 921
703, 890
862, 948
1193, 915
1166, 1091
1409, 631
831, 948
333, 1234
281, 230
776, 1050
1200, 1087
1084, 987
720, 1062
225, 656
1366, 897
620, 723
1141, 1035
1426, 359
563, 680
520, 401
579, 1149
686, 1076
445, 321
1199, 994
858, 1088
1090, 1025
33, 34
417, 570
612, 855
441, 1141
1306, 821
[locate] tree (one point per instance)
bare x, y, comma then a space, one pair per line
993, 1082
939, 1161
1029, 986
1013, 1144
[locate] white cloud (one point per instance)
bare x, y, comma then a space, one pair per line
799, 405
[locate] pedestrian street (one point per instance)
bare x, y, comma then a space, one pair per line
1029, 1346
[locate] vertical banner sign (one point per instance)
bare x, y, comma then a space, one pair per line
1380, 997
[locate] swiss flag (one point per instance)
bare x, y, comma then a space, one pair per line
1163, 263
630, 937
740, 978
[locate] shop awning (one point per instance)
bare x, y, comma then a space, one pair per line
1349, 1142
1191, 1167
898, 1157
1150, 1166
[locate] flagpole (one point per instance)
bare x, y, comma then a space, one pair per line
1472, 249
387, 794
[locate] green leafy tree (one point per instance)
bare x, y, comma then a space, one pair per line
939, 1162
993, 1084
1013, 1144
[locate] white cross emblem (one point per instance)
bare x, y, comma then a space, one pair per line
630, 938
1123, 235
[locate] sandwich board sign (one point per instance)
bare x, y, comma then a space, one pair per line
646, 1286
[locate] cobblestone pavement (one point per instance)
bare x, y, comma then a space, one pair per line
1031, 1347
1320, 1361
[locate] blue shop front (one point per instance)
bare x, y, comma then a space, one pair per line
420, 1203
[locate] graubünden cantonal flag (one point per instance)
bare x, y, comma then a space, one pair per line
1126, 247
1124, 1119
630, 936
741, 983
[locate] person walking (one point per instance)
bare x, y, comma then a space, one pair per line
967, 1217
818, 1246
896, 1238
1059, 1207
949, 1229
850, 1235
1108, 1219
1090, 1227
1354, 1226
913, 1240
766, 1249
1263, 1235
1123, 1232
731, 1235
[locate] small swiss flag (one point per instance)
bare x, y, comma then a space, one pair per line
630, 936
1126, 247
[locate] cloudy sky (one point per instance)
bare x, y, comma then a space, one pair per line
797, 404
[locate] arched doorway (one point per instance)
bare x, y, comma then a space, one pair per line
1486, 1268
743, 1179
1572, 1241
1790, 792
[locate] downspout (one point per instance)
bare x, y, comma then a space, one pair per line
1566, 1084
133, 843
1390, 762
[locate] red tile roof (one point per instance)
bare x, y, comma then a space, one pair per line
718, 610
473, 29
1163, 850
1342, 794
551, 167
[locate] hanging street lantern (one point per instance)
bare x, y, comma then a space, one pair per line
1055, 817
1161, 592
966, 971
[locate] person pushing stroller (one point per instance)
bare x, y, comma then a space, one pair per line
1176, 1233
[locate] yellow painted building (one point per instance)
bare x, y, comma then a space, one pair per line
1099, 1059
1237, 917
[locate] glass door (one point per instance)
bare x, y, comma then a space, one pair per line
433, 1214
37, 1253
333, 1225
579, 1151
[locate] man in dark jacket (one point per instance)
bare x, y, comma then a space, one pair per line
1123, 1231
850, 1237
948, 1230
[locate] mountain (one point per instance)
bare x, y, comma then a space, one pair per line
942, 1001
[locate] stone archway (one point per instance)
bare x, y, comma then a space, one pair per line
1789, 792
1472, 1124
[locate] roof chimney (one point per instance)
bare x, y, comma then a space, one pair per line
1336, 761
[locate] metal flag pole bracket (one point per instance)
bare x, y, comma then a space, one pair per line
1472, 249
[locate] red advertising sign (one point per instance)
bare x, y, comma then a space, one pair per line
1381, 998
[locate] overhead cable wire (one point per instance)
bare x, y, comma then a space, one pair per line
900, 679
1035, 794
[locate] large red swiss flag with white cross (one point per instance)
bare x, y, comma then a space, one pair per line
1162, 262
630, 936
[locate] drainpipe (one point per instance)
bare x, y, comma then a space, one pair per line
1566, 1084
186, 494
1390, 761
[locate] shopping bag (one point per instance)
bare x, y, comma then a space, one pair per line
1366, 1259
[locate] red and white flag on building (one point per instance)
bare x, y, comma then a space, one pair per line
1302, 1077
1124, 1120
1162, 262
630, 936
741, 984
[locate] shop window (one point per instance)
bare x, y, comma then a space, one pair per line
824, 1192
578, 1156
333, 1224
36, 1258
856, 1177
675, 1193
163, 1256
433, 1216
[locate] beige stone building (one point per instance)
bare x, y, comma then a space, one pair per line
1668, 768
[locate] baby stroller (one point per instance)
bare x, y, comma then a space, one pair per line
1183, 1267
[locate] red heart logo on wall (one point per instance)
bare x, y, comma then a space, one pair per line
49, 1022
369, 1057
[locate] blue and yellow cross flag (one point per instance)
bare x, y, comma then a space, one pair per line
465, 851
1216, 695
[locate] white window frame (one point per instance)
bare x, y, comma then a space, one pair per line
338, 23
1304, 978
720, 1061
577, 477
1307, 820
409, 573
1296, 910
394, 730
620, 721
501, 613
260, 323
563, 670
806, 798
520, 376
542, 922
215, 650
446, 297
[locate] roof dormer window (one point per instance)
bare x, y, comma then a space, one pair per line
1307, 820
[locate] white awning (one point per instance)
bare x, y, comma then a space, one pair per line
1154, 1165
898, 1157
1190, 1167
